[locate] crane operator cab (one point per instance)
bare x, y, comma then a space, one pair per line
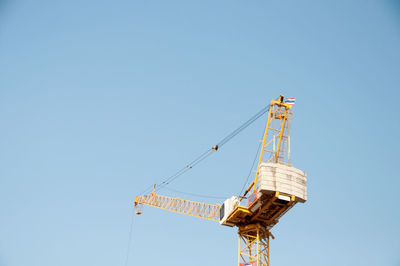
226, 209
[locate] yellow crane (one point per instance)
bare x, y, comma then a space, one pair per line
276, 188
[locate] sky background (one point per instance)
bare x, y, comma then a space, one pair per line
100, 99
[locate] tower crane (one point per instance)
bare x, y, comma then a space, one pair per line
276, 188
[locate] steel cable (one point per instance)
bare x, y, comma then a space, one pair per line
254, 162
128, 250
208, 152
195, 194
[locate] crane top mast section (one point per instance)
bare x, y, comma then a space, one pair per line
276, 140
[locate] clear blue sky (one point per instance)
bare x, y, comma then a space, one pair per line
100, 99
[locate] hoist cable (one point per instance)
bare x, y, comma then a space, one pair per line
243, 126
254, 162
208, 152
195, 194
185, 169
128, 250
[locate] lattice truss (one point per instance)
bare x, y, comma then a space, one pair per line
277, 135
192, 208
254, 246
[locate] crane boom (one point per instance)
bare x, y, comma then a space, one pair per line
192, 208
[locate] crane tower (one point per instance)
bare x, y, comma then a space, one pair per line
276, 188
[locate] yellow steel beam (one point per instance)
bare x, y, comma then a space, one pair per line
192, 208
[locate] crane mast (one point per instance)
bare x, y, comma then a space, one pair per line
276, 188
